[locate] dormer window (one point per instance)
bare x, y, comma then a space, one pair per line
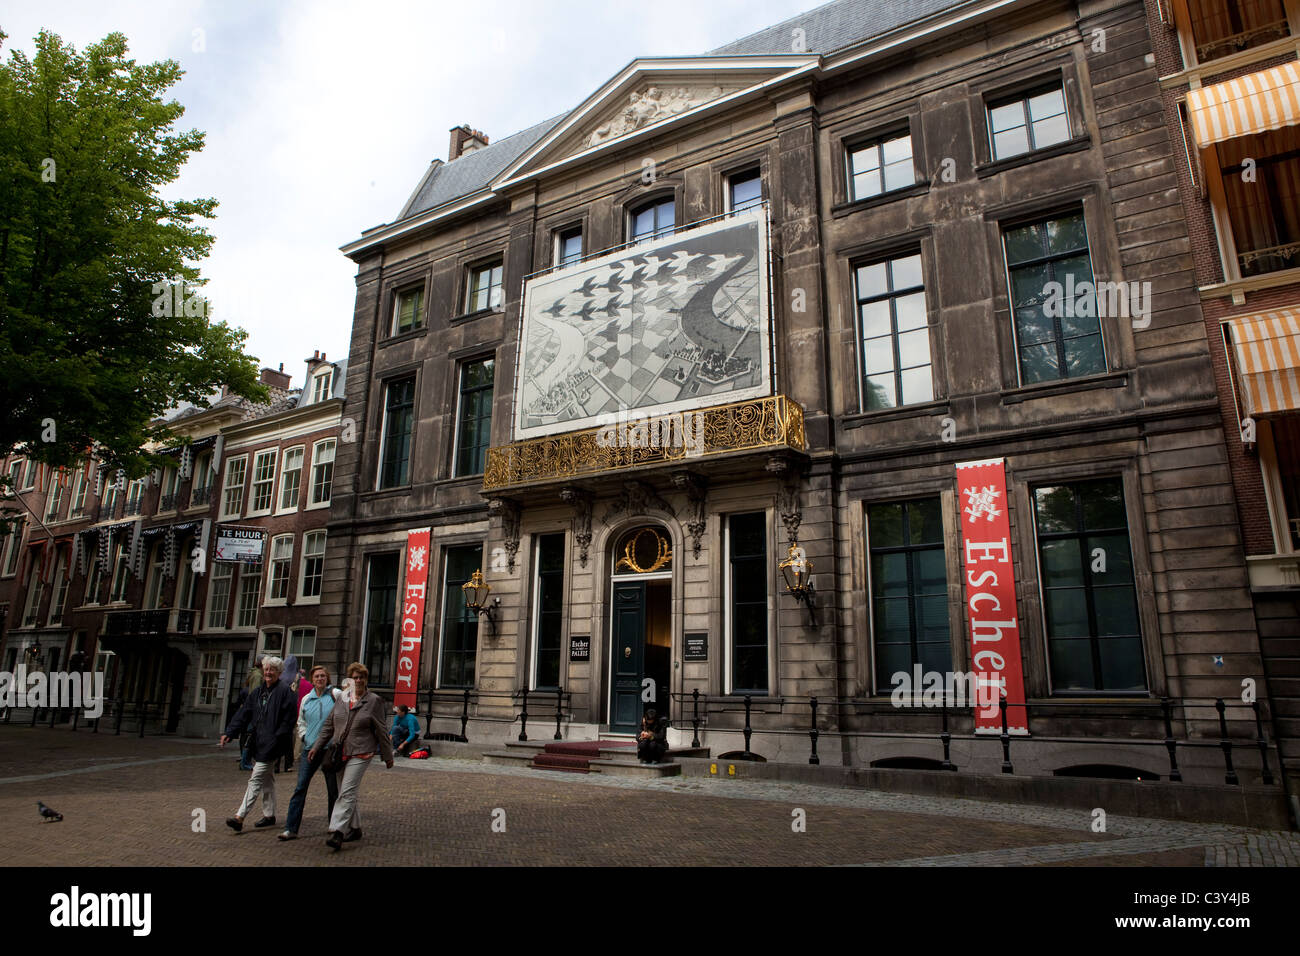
321, 385
652, 220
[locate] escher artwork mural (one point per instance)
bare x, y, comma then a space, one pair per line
673, 323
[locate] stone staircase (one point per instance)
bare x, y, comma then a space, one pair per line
615, 755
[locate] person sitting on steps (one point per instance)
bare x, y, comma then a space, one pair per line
652, 740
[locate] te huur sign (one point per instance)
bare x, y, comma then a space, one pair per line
579, 648
697, 647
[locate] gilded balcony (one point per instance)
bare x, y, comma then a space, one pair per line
759, 424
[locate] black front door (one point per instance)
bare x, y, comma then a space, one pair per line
629, 654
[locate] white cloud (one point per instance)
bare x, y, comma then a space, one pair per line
322, 116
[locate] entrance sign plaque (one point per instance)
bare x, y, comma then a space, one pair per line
580, 648
697, 647
991, 595
413, 596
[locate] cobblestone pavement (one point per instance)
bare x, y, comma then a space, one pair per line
133, 802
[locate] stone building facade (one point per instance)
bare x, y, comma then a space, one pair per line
910, 179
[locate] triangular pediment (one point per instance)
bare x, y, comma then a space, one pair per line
651, 95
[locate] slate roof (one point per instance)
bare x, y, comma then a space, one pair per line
833, 26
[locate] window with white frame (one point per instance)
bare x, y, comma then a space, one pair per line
78, 495
54, 500
302, 645
35, 591
744, 190
94, 580
322, 471
211, 667
278, 573
61, 582
271, 642
291, 477
135, 497
250, 592
484, 288
408, 310
233, 505
321, 385
13, 547
881, 166
15, 477
154, 587
568, 246
313, 565
187, 586
263, 492
121, 574
29, 475
1028, 121
895, 333
219, 595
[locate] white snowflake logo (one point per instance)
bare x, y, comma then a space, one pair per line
416, 561
981, 502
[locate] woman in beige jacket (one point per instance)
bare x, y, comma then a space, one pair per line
367, 735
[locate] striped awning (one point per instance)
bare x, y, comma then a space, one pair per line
1269, 99
1267, 350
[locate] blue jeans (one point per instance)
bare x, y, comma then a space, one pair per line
299, 799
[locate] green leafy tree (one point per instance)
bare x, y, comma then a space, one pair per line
93, 348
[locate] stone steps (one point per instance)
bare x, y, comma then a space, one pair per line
614, 756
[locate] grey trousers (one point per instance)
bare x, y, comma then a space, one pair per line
262, 781
346, 815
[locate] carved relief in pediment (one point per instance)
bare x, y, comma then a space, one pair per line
650, 105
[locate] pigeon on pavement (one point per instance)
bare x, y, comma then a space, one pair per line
49, 815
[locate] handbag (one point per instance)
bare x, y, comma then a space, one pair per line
333, 759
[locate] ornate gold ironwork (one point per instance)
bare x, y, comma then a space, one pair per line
768, 422
634, 562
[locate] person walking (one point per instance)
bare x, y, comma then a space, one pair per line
269, 714
315, 709
293, 677
360, 730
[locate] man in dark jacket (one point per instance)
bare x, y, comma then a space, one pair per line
268, 714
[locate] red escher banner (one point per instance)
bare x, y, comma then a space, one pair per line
991, 595
412, 633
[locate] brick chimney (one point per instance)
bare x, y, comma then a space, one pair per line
464, 140
276, 379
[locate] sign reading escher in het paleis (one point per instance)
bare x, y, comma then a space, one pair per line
991, 595
412, 632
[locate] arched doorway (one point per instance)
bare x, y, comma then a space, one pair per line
641, 643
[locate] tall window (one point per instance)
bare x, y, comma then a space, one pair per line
745, 190
302, 645
186, 587
474, 425
121, 573
263, 481
167, 493
210, 669
548, 604
313, 564
1056, 338
291, 478
54, 500
13, 546
135, 497
35, 591
78, 496
321, 385
154, 577
94, 579
1089, 597
881, 166
459, 643
234, 487
895, 335
399, 414
61, 582
1028, 122
29, 476
408, 311
568, 247
909, 589
219, 594
654, 219
1223, 27
250, 592
484, 288
747, 601
322, 472
381, 610
281, 559
1263, 208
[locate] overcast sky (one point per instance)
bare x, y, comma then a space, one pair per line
322, 116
